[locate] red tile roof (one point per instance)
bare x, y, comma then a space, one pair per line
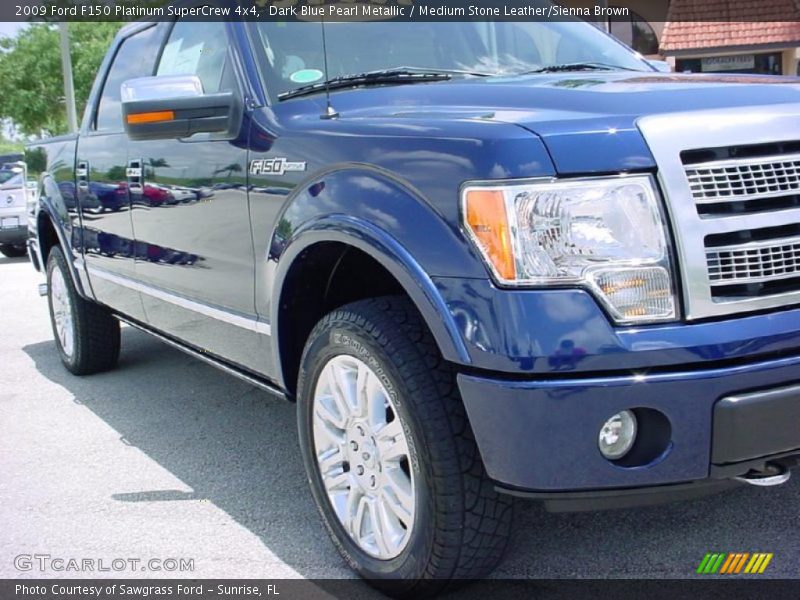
694, 24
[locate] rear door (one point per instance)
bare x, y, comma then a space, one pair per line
191, 214
101, 178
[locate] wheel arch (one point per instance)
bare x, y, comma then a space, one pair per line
392, 269
53, 228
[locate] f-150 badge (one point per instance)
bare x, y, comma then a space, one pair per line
275, 166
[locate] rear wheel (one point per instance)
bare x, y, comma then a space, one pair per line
389, 453
87, 334
12, 251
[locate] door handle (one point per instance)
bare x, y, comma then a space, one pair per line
135, 175
82, 174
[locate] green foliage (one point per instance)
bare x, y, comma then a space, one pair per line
36, 160
9, 147
31, 77
116, 173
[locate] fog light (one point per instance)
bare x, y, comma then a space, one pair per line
617, 435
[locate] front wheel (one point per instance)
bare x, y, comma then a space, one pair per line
390, 455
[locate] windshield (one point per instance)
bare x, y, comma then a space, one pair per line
10, 178
294, 56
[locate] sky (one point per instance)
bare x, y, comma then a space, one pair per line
9, 29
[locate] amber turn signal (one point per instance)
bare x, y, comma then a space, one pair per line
151, 117
487, 219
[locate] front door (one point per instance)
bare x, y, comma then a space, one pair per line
194, 248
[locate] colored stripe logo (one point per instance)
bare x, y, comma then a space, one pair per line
736, 563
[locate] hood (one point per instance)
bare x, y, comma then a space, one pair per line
587, 120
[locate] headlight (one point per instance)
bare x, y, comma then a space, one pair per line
607, 234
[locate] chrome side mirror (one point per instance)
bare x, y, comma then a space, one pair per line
175, 106
161, 88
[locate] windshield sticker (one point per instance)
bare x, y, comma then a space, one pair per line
306, 76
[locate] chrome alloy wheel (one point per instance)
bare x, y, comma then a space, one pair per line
363, 457
62, 312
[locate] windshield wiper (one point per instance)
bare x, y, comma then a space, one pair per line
450, 71
396, 75
578, 66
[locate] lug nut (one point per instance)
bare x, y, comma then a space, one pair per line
354, 445
365, 456
361, 431
372, 481
360, 470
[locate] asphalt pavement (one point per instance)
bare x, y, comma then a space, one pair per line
168, 458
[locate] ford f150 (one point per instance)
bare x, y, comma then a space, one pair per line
485, 259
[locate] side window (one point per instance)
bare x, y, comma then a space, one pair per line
136, 57
199, 48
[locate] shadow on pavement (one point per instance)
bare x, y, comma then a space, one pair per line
5, 260
236, 446
232, 443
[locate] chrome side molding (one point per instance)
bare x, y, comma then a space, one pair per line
204, 309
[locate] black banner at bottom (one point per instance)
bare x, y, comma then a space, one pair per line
306, 589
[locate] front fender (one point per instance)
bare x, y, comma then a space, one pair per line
374, 211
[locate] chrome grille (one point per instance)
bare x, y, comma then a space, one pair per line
731, 180
744, 179
754, 267
754, 263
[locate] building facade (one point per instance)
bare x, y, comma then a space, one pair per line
711, 36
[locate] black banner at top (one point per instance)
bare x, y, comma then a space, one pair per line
776, 11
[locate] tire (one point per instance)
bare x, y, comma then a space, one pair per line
87, 335
460, 525
11, 251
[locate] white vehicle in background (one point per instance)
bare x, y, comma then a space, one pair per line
14, 191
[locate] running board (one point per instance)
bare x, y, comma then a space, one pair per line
209, 359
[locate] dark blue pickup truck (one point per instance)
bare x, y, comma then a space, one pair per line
486, 260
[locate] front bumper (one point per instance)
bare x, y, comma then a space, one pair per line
540, 437
15, 236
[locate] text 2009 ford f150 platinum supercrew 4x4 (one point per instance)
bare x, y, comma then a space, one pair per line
485, 259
